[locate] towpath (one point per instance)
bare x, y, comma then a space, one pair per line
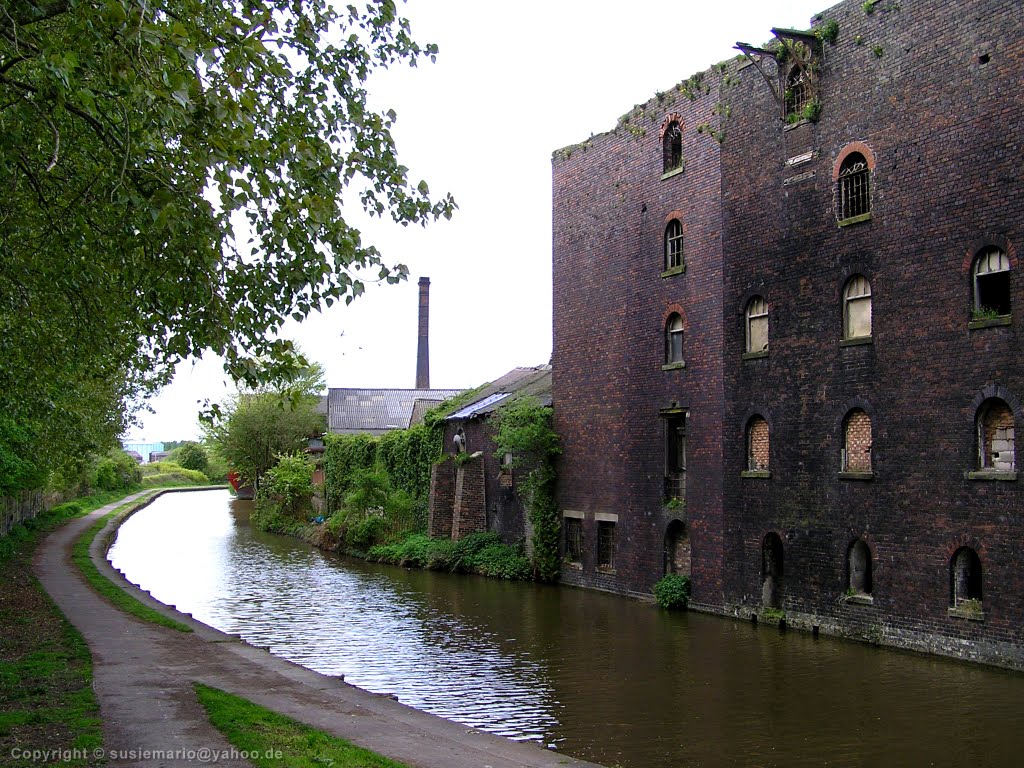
143, 676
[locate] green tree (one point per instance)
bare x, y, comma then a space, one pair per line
190, 455
256, 428
176, 176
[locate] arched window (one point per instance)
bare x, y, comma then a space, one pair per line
854, 193
757, 325
857, 308
757, 445
991, 273
995, 436
856, 456
672, 147
964, 577
677, 549
674, 244
459, 441
674, 339
859, 567
798, 90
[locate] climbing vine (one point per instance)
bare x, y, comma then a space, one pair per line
524, 430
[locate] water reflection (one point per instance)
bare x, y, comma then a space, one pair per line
602, 677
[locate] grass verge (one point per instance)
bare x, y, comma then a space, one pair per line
113, 593
46, 698
270, 739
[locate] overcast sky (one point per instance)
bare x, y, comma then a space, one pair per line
512, 83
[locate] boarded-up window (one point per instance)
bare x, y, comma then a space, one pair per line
675, 457
857, 442
991, 283
996, 439
857, 308
757, 444
757, 325
674, 244
674, 339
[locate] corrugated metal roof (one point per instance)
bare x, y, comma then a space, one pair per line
376, 411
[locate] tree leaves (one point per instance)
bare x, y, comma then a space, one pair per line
131, 132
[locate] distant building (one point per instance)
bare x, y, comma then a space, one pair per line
142, 449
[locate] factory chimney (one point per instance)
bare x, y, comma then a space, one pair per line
423, 350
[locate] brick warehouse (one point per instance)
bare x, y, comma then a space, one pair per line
787, 346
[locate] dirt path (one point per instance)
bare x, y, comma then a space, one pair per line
143, 677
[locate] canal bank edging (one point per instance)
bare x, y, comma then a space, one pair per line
370, 720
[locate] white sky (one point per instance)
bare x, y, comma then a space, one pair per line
512, 83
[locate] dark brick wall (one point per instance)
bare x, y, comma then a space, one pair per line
945, 132
611, 208
939, 115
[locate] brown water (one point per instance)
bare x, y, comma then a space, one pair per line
596, 676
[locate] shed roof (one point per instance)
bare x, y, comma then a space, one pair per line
376, 411
519, 382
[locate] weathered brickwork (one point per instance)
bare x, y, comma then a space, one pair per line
938, 119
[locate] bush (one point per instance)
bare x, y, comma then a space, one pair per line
673, 591
116, 471
480, 553
191, 456
286, 490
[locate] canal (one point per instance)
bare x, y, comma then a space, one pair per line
599, 677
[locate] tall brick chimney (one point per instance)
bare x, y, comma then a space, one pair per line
423, 350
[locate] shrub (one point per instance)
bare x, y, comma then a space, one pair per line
287, 488
116, 471
191, 456
673, 591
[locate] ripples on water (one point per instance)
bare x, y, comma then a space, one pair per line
601, 677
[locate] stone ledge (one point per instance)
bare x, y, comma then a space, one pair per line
992, 322
755, 355
674, 366
857, 341
971, 614
848, 475
673, 172
680, 270
756, 473
992, 474
855, 220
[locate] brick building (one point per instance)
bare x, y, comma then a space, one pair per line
787, 347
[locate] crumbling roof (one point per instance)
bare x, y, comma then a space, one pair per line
376, 411
519, 382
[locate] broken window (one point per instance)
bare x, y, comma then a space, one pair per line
859, 562
991, 284
674, 244
573, 528
854, 193
605, 544
672, 147
856, 454
674, 339
675, 457
771, 571
757, 444
996, 439
965, 577
799, 90
677, 549
757, 325
857, 308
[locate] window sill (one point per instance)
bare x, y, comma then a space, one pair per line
857, 341
992, 474
674, 366
849, 475
575, 565
673, 172
606, 569
762, 474
795, 124
992, 322
855, 220
859, 599
966, 613
755, 355
680, 270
